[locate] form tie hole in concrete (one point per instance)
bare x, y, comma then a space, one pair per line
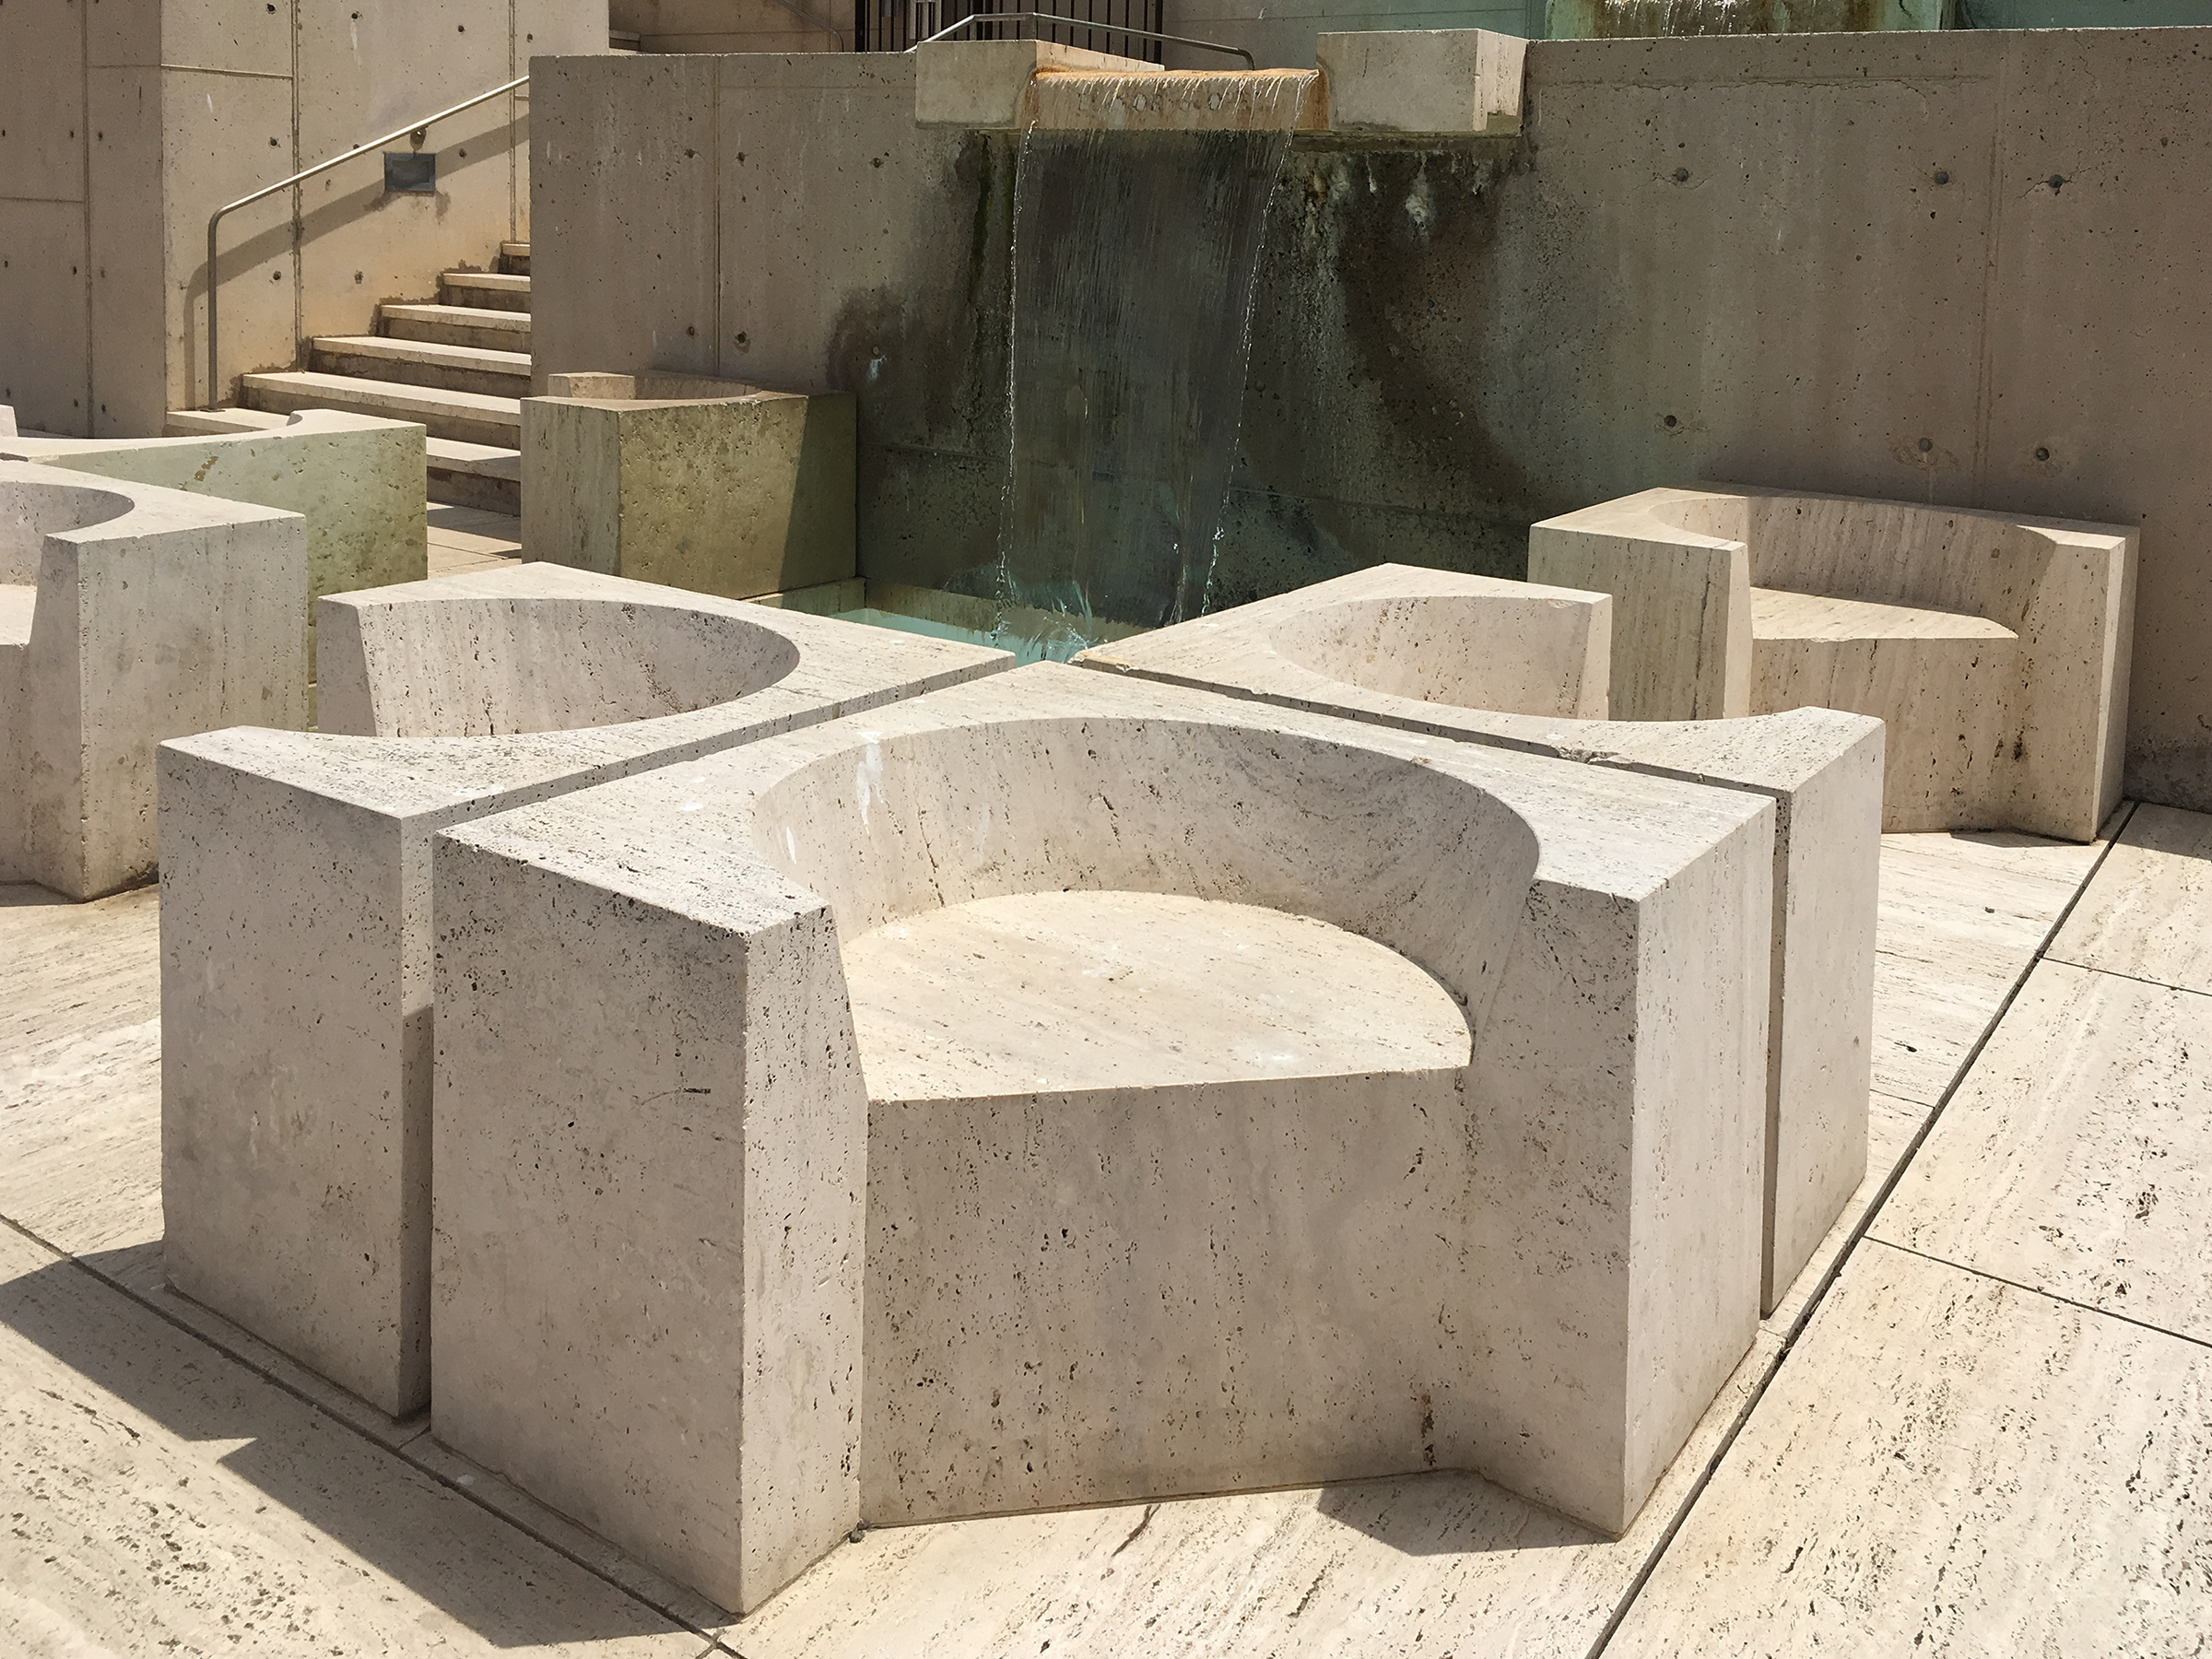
1926, 444
1681, 175
2055, 180
2041, 453
1671, 421
1942, 177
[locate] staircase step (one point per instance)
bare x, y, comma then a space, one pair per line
515, 258
469, 416
457, 325
490, 290
425, 363
475, 474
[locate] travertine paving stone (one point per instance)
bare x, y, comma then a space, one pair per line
80, 1055
2148, 912
2077, 1157
1962, 916
1949, 1465
1415, 1566
159, 1499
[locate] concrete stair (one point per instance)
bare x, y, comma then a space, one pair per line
458, 325
461, 367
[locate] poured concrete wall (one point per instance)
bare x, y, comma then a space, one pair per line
738, 25
1280, 33
128, 121
1455, 339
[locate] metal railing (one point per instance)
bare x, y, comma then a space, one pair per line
1130, 26
215, 218
1060, 20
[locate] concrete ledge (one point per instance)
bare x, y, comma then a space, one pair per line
1423, 80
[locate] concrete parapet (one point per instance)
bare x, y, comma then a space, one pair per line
714, 486
1446, 653
1131, 1228
297, 915
128, 614
1423, 80
357, 481
1994, 647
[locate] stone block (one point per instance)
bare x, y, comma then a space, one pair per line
128, 615
1456, 656
1177, 101
297, 914
708, 485
986, 83
1423, 80
1084, 979
357, 480
1993, 647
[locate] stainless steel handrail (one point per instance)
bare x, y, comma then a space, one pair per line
1109, 29
215, 218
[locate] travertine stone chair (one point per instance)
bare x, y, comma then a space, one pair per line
1058, 1090
356, 479
296, 917
1441, 673
128, 614
1993, 648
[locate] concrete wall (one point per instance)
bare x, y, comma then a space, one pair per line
1727, 258
724, 26
1280, 33
129, 121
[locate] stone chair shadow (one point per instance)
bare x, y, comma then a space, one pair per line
491, 1579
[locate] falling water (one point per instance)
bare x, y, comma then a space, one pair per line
1136, 242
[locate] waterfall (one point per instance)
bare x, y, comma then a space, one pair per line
1139, 205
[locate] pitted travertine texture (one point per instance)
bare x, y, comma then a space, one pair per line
1994, 648
714, 486
1176, 1265
1822, 770
357, 480
128, 614
297, 943
1482, 644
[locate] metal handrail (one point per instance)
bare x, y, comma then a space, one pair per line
1111, 28
215, 218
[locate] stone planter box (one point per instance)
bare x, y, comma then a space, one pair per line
708, 485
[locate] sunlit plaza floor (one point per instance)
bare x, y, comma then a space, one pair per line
1981, 1422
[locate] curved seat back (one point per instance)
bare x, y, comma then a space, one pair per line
1381, 846
476, 665
1527, 649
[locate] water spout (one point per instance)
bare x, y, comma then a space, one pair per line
1139, 205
